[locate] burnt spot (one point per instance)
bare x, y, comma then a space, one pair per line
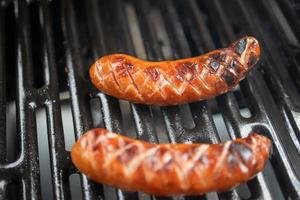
161, 151
214, 65
121, 70
128, 66
248, 140
153, 73
252, 60
187, 65
244, 152
233, 64
240, 46
219, 57
125, 143
128, 154
132, 151
229, 78
191, 151
119, 59
232, 160
216, 56
204, 160
186, 71
122, 66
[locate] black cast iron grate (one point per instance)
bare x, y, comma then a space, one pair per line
46, 48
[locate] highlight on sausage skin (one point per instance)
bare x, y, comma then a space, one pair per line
169, 169
179, 81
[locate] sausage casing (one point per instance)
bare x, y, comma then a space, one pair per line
169, 169
175, 82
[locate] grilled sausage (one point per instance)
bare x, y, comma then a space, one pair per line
175, 82
169, 169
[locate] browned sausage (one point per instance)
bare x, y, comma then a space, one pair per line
175, 82
169, 169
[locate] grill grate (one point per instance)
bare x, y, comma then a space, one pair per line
47, 46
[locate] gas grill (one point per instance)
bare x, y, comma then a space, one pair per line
47, 100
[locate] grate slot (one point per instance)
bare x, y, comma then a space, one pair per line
54, 13
13, 191
135, 31
11, 139
188, 121
2, 87
68, 129
96, 114
36, 43
44, 158
75, 189
8, 51
202, 197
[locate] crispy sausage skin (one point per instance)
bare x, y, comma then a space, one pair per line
169, 169
175, 82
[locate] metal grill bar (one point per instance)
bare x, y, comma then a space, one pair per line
2, 100
260, 189
275, 119
77, 87
193, 27
55, 131
2, 88
25, 112
263, 99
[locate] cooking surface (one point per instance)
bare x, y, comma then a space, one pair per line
47, 99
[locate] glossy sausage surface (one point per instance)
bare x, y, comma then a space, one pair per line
169, 169
175, 82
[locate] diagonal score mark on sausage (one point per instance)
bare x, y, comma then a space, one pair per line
114, 77
135, 85
169, 169
213, 73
